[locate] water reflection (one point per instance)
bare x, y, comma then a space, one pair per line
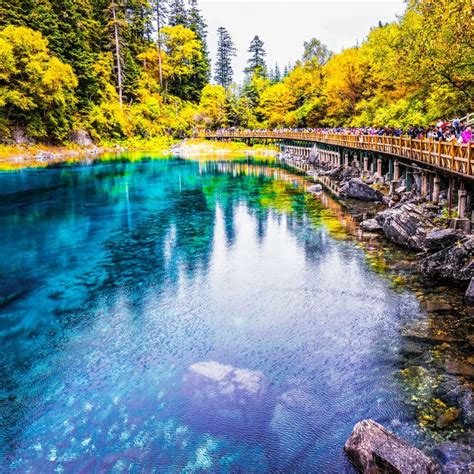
122, 281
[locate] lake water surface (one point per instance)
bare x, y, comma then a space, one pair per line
117, 279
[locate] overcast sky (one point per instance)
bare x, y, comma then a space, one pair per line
284, 25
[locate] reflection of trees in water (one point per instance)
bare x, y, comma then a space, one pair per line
177, 208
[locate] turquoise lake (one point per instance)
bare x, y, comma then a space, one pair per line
118, 279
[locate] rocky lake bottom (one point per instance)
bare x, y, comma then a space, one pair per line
164, 315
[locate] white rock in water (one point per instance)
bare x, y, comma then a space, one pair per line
225, 392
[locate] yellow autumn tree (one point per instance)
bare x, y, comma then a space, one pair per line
36, 88
276, 103
212, 107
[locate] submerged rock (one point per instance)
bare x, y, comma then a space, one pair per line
225, 393
453, 263
373, 449
356, 189
295, 422
406, 225
455, 457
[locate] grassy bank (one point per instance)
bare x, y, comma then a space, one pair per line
14, 157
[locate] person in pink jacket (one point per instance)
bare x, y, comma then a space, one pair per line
466, 135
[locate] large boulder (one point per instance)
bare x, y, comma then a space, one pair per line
219, 394
406, 225
356, 189
372, 449
453, 263
440, 239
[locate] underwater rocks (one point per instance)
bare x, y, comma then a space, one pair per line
456, 458
226, 394
293, 425
356, 189
373, 449
406, 225
452, 263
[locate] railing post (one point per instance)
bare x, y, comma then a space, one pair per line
462, 201
452, 155
469, 164
436, 189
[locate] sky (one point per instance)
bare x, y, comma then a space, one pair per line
285, 25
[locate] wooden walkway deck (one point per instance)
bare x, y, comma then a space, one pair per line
447, 157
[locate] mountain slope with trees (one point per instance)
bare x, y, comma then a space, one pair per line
120, 69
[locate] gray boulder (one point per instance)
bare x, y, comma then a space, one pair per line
317, 188
406, 225
453, 263
371, 225
372, 449
356, 189
440, 239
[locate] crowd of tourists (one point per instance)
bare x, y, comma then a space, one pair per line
453, 130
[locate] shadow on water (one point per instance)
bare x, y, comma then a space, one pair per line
118, 278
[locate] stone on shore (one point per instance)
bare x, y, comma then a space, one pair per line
406, 225
356, 189
226, 394
469, 296
371, 225
317, 188
453, 263
372, 449
440, 239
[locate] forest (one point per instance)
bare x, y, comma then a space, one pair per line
122, 69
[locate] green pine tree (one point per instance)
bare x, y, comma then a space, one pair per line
225, 52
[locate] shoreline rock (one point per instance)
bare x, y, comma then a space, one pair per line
356, 189
372, 449
452, 263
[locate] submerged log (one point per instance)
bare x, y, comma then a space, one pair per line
374, 450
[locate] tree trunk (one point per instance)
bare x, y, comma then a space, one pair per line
117, 53
158, 32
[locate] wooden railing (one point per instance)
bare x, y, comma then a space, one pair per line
451, 156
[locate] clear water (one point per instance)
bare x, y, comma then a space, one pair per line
116, 278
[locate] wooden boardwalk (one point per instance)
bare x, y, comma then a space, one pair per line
447, 157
